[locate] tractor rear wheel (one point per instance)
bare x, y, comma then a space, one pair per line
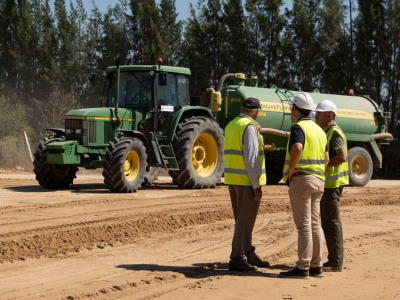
199, 150
360, 166
124, 165
48, 175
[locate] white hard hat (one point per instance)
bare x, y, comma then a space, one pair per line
304, 101
326, 105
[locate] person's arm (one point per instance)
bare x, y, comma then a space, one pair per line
338, 145
327, 160
296, 144
252, 159
295, 153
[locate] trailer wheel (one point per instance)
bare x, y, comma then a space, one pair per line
124, 165
151, 175
48, 175
199, 150
360, 166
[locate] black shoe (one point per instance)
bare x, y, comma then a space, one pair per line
240, 265
316, 272
329, 267
255, 260
295, 273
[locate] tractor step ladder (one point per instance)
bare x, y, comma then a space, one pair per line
167, 155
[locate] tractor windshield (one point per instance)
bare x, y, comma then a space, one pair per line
135, 90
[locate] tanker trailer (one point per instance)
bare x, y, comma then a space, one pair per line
361, 119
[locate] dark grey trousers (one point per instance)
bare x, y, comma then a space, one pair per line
332, 225
245, 211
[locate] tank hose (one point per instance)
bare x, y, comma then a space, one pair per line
382, 136
274, 131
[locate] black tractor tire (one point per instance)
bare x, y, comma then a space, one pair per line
360, 166
124, 165
48, 175
199, 150
151, 175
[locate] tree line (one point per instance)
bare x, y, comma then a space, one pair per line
47, 54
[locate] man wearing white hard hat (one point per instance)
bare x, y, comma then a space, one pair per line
336, 176
304, 170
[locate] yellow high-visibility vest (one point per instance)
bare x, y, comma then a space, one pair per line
235, 172
312, 158
337, 175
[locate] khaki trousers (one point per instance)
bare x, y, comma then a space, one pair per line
305, 193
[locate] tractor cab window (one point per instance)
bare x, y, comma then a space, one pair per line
135, 90
175, 92
183, 90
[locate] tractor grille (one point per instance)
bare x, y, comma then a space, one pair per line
71, 126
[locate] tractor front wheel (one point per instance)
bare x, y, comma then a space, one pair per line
124, 165
48, 175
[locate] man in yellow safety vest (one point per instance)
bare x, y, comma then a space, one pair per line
244, 173
305, 162
336, 176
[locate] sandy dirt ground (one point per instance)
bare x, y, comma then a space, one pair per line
167, 243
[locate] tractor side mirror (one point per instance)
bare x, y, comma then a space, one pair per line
92, 79
162, 78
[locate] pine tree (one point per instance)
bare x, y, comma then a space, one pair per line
371, 47
300, 49
392, 77
335, 49
238, 37
266, 24
170, 32
204, 50
145, 22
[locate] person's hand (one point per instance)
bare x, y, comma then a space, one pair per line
258, 127
257, 194
291, 172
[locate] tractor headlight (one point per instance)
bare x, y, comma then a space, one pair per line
68, 131
78, 131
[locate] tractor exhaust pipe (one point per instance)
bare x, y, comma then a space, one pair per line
118, 122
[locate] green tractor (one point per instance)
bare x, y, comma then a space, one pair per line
148, 123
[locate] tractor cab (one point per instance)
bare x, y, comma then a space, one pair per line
153, 92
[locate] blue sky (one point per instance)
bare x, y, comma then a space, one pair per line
182, 6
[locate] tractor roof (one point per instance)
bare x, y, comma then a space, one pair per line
155, 68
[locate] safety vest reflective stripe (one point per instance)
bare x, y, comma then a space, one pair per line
312, 158
337, 175
240, 153
308, 161
238, 171
235, 172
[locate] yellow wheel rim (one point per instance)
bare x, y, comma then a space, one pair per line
359, 167
205, 155
61, 171
131, 165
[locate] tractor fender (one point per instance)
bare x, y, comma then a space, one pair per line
187, 112
140, 136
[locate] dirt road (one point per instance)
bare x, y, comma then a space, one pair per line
166, 243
